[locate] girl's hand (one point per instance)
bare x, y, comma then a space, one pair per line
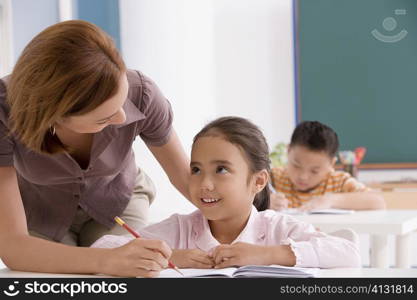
240, 254
140, 257
192, 258
278, 201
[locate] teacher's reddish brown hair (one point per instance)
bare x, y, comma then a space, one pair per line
68, 69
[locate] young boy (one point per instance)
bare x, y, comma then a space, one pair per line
309, 180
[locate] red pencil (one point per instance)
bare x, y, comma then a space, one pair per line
136, 235
359, 154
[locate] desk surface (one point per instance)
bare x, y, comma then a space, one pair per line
6, 272
371, 221
325, 273
368, 272
391, 185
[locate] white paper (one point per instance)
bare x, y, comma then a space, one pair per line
171, 273
245, 271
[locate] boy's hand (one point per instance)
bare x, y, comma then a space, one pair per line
191, 258
278, 201
318, 202
239, 254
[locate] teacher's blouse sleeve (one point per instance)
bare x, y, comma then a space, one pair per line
157, 126
6, 142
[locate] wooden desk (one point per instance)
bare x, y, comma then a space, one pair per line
400, 199
378, 224
389, 186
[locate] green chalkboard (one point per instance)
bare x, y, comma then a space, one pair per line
356, 70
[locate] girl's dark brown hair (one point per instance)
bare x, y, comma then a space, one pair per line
250, 140
68, 69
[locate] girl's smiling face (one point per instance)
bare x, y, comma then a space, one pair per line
221, 185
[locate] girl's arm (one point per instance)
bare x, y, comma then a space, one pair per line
241, 254
174, 161
192, 258
313, 248
280, 255
22, 252
290, 242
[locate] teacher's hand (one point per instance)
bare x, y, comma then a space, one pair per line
138, 258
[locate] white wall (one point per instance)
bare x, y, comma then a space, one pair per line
211, 58
6, 46
254, 63
21, 20
29, 18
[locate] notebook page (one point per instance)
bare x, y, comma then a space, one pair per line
170, 273
275, 271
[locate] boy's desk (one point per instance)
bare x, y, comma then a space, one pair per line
389, 186
378, 224
324, 273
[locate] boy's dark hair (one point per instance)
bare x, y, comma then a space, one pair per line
315, 136
249, 138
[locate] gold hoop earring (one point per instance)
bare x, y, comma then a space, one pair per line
52, 130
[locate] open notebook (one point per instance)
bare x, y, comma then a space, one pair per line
252, 271
327, 211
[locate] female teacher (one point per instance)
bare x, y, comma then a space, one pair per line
69, 113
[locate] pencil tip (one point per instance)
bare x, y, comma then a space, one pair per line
178, 270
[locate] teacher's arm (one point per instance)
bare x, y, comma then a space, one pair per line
176, 164
22, 252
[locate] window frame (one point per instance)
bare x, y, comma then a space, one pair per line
6, 46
